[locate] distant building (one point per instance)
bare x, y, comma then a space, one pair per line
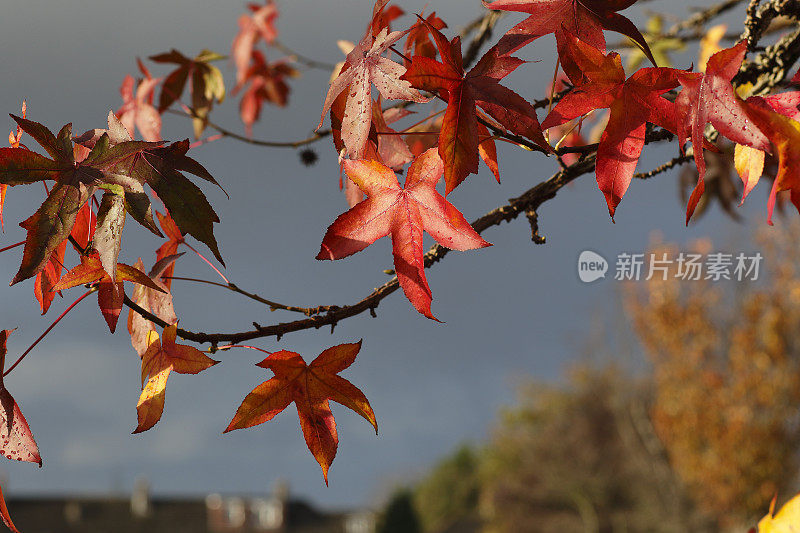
216, 513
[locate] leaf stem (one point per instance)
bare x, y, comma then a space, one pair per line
234, 288
56, 321
229, 346
258, 142
9, 247
192, 248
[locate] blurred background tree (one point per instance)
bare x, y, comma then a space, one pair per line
698, 439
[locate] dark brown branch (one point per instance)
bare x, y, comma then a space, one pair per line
759, 18
258, 142
766, 71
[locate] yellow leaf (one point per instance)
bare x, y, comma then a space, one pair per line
749, 164
786, 521
709, 45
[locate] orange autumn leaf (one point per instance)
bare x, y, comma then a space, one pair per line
784, 134
158, 361
310, 387
404, 213
176, 238
110, 295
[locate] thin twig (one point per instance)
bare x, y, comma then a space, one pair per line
42, 336
258, 142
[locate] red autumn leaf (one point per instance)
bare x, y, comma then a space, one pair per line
585, 18
710, 98
170, 247
260, 24
418, 42
365, 66
137, 109
263, 82
392, 149
48, 277
600, 83
383, 18
784, 133
110, 295
157, 302
403, 213
16, 439
310, 387
158, 361
4, 514
458, 140
52, 222
206, 86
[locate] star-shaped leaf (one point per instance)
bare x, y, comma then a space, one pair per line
600, 83
310, 387
710, 98
365, 66
110, 294
161, 358
263, 82
207, 83
458, 139
585, 18
260, 24
403, 213
137, 109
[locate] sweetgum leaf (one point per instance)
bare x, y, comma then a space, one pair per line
458, 139
403, 213
599, 82
158, 361
310, 387
16, 439
366, 66
584, 18
110, 293
710, 98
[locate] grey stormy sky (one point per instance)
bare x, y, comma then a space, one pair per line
511, 311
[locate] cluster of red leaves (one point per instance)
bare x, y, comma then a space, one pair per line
262, 81
479, 110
